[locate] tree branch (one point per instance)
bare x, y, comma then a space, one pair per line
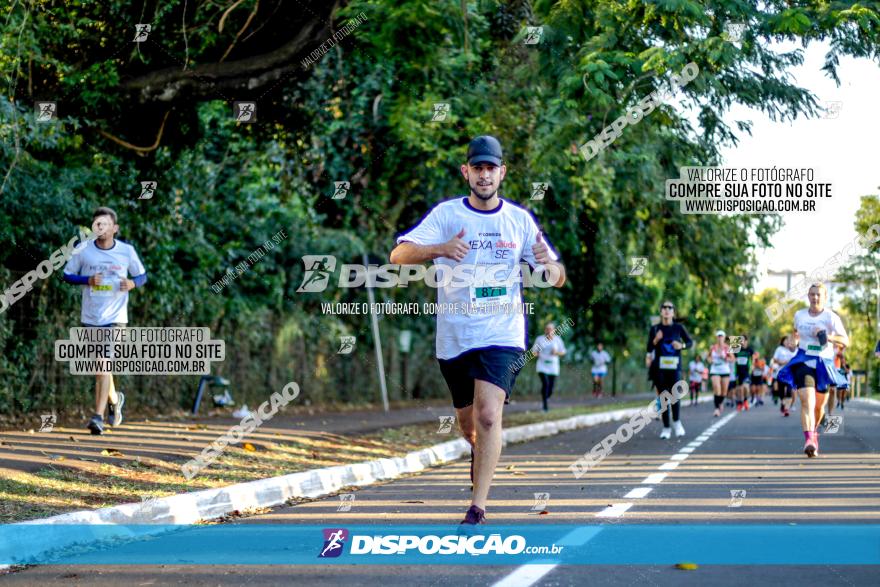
167, 84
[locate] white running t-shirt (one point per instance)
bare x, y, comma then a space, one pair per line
781, 357
502, 236
548, 363
105, 303
600, 359
806, 325
696, 368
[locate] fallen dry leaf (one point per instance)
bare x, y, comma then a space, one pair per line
249, 447
111, 453
687, 566
74, 439
543, 513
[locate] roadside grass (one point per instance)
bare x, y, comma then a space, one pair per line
83, 483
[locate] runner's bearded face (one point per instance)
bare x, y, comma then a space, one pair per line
104, 227
485, 179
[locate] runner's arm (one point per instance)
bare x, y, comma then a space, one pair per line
412, 254
76, 279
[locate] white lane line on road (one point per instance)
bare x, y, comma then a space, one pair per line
614, 511
688, 449
638, 492
679, 457
530, 574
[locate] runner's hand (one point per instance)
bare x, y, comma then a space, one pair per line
541, 250
96, 279
455, 248
658, 337
126, 284
677, 345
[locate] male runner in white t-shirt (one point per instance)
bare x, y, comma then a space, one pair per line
102, 268
477, 348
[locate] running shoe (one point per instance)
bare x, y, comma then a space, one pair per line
760, 402
114, 411
739, 407
473, 517
785, 413
810, 447
679, 429
666, 433
746, 406
717, 413
96, 425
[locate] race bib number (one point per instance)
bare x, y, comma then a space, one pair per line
102, 291
757, 372
489, 293
814, 349
669, 362
742, 360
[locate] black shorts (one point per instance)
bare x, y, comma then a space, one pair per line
783, 389
742, 377
496, 365
805, 376
664, 379
757, 380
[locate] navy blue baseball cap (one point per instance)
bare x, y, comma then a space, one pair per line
484, 149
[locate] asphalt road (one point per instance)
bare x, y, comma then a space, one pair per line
758, 452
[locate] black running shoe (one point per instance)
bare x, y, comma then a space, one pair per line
472, 518
114, 411
96, 425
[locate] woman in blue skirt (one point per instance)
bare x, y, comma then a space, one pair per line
812, 371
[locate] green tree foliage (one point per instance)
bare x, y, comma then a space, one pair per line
162, 110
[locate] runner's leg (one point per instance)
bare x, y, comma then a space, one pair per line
487, 412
